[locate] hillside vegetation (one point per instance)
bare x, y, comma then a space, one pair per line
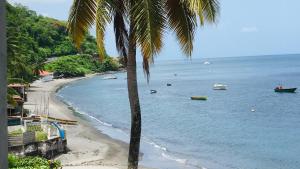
33, 38
79, 65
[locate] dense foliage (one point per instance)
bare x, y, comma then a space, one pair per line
33, 38
16, 162
79, 65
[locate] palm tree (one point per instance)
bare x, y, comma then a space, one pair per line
139, 23
3, 68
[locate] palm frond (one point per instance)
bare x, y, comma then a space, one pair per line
149, 19
211, 10
207, 10
81, 18
102, 19
197, 6
183, 21
121, 32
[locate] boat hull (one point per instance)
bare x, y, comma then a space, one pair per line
199, 98
290, 90
220, 88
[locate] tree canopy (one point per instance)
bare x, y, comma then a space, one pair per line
33, 38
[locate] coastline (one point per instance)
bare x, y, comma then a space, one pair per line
87, 146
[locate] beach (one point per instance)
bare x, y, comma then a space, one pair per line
86, 146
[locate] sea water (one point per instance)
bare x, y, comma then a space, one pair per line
248, 126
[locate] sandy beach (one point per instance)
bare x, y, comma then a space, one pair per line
88, 147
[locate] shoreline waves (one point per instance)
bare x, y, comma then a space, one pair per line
153, 154
88, 147
121, 134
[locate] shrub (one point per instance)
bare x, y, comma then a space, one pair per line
34, 128
16, 132
40, 136
73, 66
15, 162
109, 64
79, 65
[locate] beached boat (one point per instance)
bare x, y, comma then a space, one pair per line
280, 89
60, 121
199, 98
219, 86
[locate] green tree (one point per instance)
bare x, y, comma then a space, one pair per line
147, 21
32, 39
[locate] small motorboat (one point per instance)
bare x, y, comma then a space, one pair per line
199, 98
169, 84
280, 89
107, 77
219, 86
206, 63
153, 91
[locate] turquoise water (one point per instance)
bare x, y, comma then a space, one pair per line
220, 133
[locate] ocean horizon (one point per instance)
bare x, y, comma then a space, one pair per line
220, 133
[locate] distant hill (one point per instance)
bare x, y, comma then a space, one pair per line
43, 35
33, 38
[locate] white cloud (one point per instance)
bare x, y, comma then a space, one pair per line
249, 29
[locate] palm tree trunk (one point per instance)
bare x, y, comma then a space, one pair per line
3, 86
136, 121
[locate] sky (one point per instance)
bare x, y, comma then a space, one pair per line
244, 28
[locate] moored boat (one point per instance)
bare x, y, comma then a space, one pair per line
219, 86
107, 77
153, 91
199, 98
285, 90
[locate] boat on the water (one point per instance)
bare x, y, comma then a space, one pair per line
206, 63
107, 77
153, 91
280, 89
219, 86
199, 98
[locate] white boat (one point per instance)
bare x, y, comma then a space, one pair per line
219, 86
206, 63
107, 77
